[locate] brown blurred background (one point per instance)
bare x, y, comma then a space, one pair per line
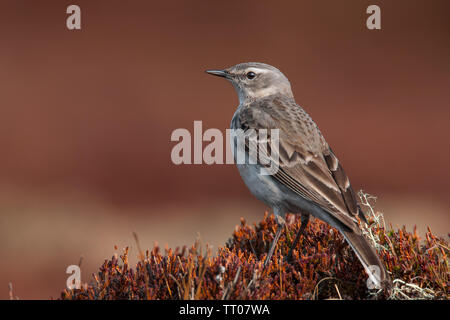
86, 118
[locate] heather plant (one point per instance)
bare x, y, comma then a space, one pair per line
323, 266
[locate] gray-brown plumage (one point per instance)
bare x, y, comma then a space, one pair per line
309, 179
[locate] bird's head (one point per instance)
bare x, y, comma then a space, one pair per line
255, 80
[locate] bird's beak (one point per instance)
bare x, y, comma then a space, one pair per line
219, 73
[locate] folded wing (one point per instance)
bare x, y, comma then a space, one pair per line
307, 166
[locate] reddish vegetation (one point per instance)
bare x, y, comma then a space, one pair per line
324, 267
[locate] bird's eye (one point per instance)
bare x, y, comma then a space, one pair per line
251, 75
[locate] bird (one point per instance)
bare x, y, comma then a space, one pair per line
309, 179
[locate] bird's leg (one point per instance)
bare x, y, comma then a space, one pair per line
304, 220
280, 227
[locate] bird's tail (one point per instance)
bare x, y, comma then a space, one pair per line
375, 269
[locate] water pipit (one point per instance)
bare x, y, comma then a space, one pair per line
310, 178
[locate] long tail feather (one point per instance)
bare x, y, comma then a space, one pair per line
369, 259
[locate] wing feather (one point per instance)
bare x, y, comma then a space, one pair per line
307, 166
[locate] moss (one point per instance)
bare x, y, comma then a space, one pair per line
324, 267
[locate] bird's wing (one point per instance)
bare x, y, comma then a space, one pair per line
307, 166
